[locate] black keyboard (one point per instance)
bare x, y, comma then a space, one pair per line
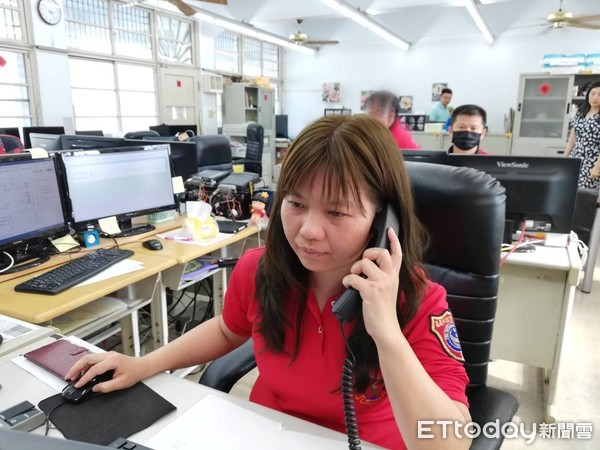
74, 272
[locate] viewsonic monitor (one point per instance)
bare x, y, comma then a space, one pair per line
31, 209
124, 183
45, 130
539, 190
426, 156
184, 158
48, 142
74, 142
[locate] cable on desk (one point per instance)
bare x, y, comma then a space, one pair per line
48, 417
505, 257
10, 265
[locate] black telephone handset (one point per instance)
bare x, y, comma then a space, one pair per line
348, 306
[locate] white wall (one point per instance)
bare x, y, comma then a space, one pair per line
476, 72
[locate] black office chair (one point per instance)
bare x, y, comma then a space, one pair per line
255, 135
586, 204
141, 134
11, 144
463, 209
214, 152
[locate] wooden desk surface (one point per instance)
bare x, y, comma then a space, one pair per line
36, 308
184, 252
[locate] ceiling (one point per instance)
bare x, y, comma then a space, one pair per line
414, 20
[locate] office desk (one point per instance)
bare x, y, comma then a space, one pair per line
184, 252
141, 286
535, 300
19, 385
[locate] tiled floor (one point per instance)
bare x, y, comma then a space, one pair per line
578, 391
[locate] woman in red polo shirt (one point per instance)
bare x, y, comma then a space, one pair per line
338, 173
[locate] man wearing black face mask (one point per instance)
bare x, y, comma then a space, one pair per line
467, 129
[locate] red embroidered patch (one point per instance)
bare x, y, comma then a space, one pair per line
444, 329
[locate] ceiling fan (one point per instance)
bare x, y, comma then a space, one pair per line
560, 18
188, 10
300, 38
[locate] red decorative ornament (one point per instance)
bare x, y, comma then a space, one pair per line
2, 61
545, 89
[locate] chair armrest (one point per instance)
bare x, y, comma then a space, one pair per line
487, 405
227, 370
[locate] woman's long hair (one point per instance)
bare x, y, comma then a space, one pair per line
354, 152
585, 108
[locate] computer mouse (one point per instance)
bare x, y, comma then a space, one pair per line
152, 244
83, 393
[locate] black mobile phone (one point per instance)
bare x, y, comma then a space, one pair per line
348, 306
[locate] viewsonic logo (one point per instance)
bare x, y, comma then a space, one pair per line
512, 165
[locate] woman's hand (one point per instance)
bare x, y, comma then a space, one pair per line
594, 173
128, 370
379, 290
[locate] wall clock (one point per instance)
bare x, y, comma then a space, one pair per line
50, 11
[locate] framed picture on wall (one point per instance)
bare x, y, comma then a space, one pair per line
436, 91
363, 99
332, 92
405, 104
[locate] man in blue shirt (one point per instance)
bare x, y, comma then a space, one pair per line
441, 111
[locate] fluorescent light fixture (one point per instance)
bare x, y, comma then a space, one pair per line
364, 20
476, 15
250, 31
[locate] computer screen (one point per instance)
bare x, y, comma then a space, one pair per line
89, 133
74, 142
124, 183
426, 156
31, 207
539, 190
12, 131
45, 130
172, 130
184, 158
281, 126
46, 141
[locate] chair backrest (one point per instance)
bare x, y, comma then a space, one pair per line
586, 204
214, 152
463, 210
141, 134
255, 137
11, 144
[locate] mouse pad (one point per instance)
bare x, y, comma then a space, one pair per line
103, 419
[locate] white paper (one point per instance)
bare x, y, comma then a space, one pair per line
215, 423
11, 328
120, 268
48, 377
38, 153
178, 186
109, 225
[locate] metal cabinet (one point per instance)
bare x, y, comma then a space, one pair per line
247, 103
542, 119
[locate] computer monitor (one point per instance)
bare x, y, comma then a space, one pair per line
172, 130
281, 126
184, 158
74, 142
12, 131
539, 190
32, 210
46, 141
45, 130
426, 156
124, 183
89, 133
20, 440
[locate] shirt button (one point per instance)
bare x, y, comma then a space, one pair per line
320, 330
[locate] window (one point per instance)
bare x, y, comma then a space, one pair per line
87, 23
15, 109
133, 33
112, 96
10, 20
227, 52
270, 60
252, 57
174, 40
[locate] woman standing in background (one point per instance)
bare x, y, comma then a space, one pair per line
584, 141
